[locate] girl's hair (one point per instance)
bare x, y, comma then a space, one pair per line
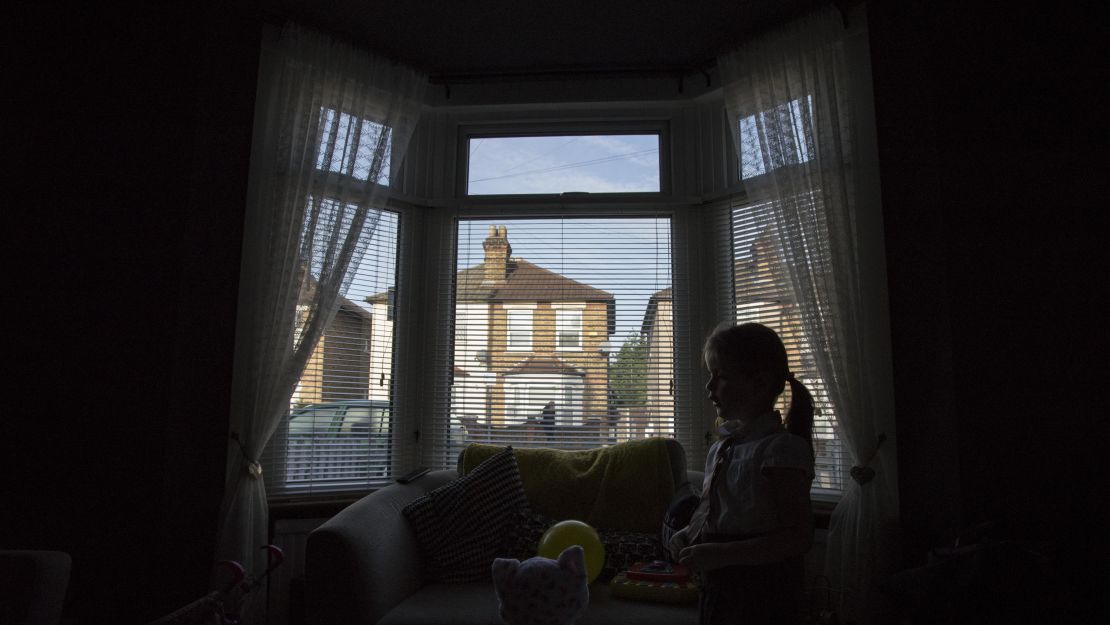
751, 348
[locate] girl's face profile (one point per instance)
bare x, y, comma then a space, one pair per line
732, 392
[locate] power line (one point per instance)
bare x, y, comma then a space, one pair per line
569, 165
543, 154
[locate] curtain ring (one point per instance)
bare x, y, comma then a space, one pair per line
254, 469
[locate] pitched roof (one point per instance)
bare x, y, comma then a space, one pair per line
544, 363
379, 298
347, 305
525, 282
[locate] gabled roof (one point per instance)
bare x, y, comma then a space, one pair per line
544, 363
525, 282
345, 304
348, 306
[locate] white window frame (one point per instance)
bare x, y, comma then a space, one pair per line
676, 200
590, 125
524, 315
331, 121
565, 312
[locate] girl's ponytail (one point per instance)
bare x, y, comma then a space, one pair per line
799, 419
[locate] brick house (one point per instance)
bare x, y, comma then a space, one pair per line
528, 344
339, 366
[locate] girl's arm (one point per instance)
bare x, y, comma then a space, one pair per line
678, 542
793, 538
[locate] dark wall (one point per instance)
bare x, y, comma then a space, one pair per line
993, 261
131, 142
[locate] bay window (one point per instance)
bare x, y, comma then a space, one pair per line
554, 316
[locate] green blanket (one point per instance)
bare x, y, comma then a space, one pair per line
626, 486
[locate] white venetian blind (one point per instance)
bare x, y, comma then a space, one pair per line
763, 294
338, 435
562, 335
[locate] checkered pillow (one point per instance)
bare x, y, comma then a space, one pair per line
528, 528
462, 526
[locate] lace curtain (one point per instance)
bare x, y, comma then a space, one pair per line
789, 98
330, 120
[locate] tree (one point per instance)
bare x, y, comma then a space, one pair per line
628, 373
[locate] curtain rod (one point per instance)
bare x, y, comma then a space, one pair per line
676, 74
562, 74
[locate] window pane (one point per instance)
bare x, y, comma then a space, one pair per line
520, 329
339, 435
561, 164
775, 138
357, 147
763, 294
599, 362
568, 324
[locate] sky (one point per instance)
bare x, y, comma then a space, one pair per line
557, 164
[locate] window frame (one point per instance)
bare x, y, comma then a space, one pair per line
371, 116
449, 205
547, 128
329, 185
561, 312
519, 312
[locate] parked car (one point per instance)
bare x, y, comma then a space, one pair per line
339, 443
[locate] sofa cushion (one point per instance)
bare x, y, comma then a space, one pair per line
462, 526
476, 604
625, 486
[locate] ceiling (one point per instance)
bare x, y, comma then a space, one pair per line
478, 39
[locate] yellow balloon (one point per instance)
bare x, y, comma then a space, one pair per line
566, 533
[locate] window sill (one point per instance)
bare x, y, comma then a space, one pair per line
323, 506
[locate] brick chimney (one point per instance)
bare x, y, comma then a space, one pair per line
497, 250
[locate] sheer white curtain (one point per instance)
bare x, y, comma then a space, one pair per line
789, 97
329, 121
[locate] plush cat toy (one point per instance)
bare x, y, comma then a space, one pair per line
541, 591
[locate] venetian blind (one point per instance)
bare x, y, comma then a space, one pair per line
561, 335
763, 294
338, 434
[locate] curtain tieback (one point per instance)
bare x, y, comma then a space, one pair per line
253, 467
863, 474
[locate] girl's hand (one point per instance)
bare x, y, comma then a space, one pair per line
705, 556
678, 542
